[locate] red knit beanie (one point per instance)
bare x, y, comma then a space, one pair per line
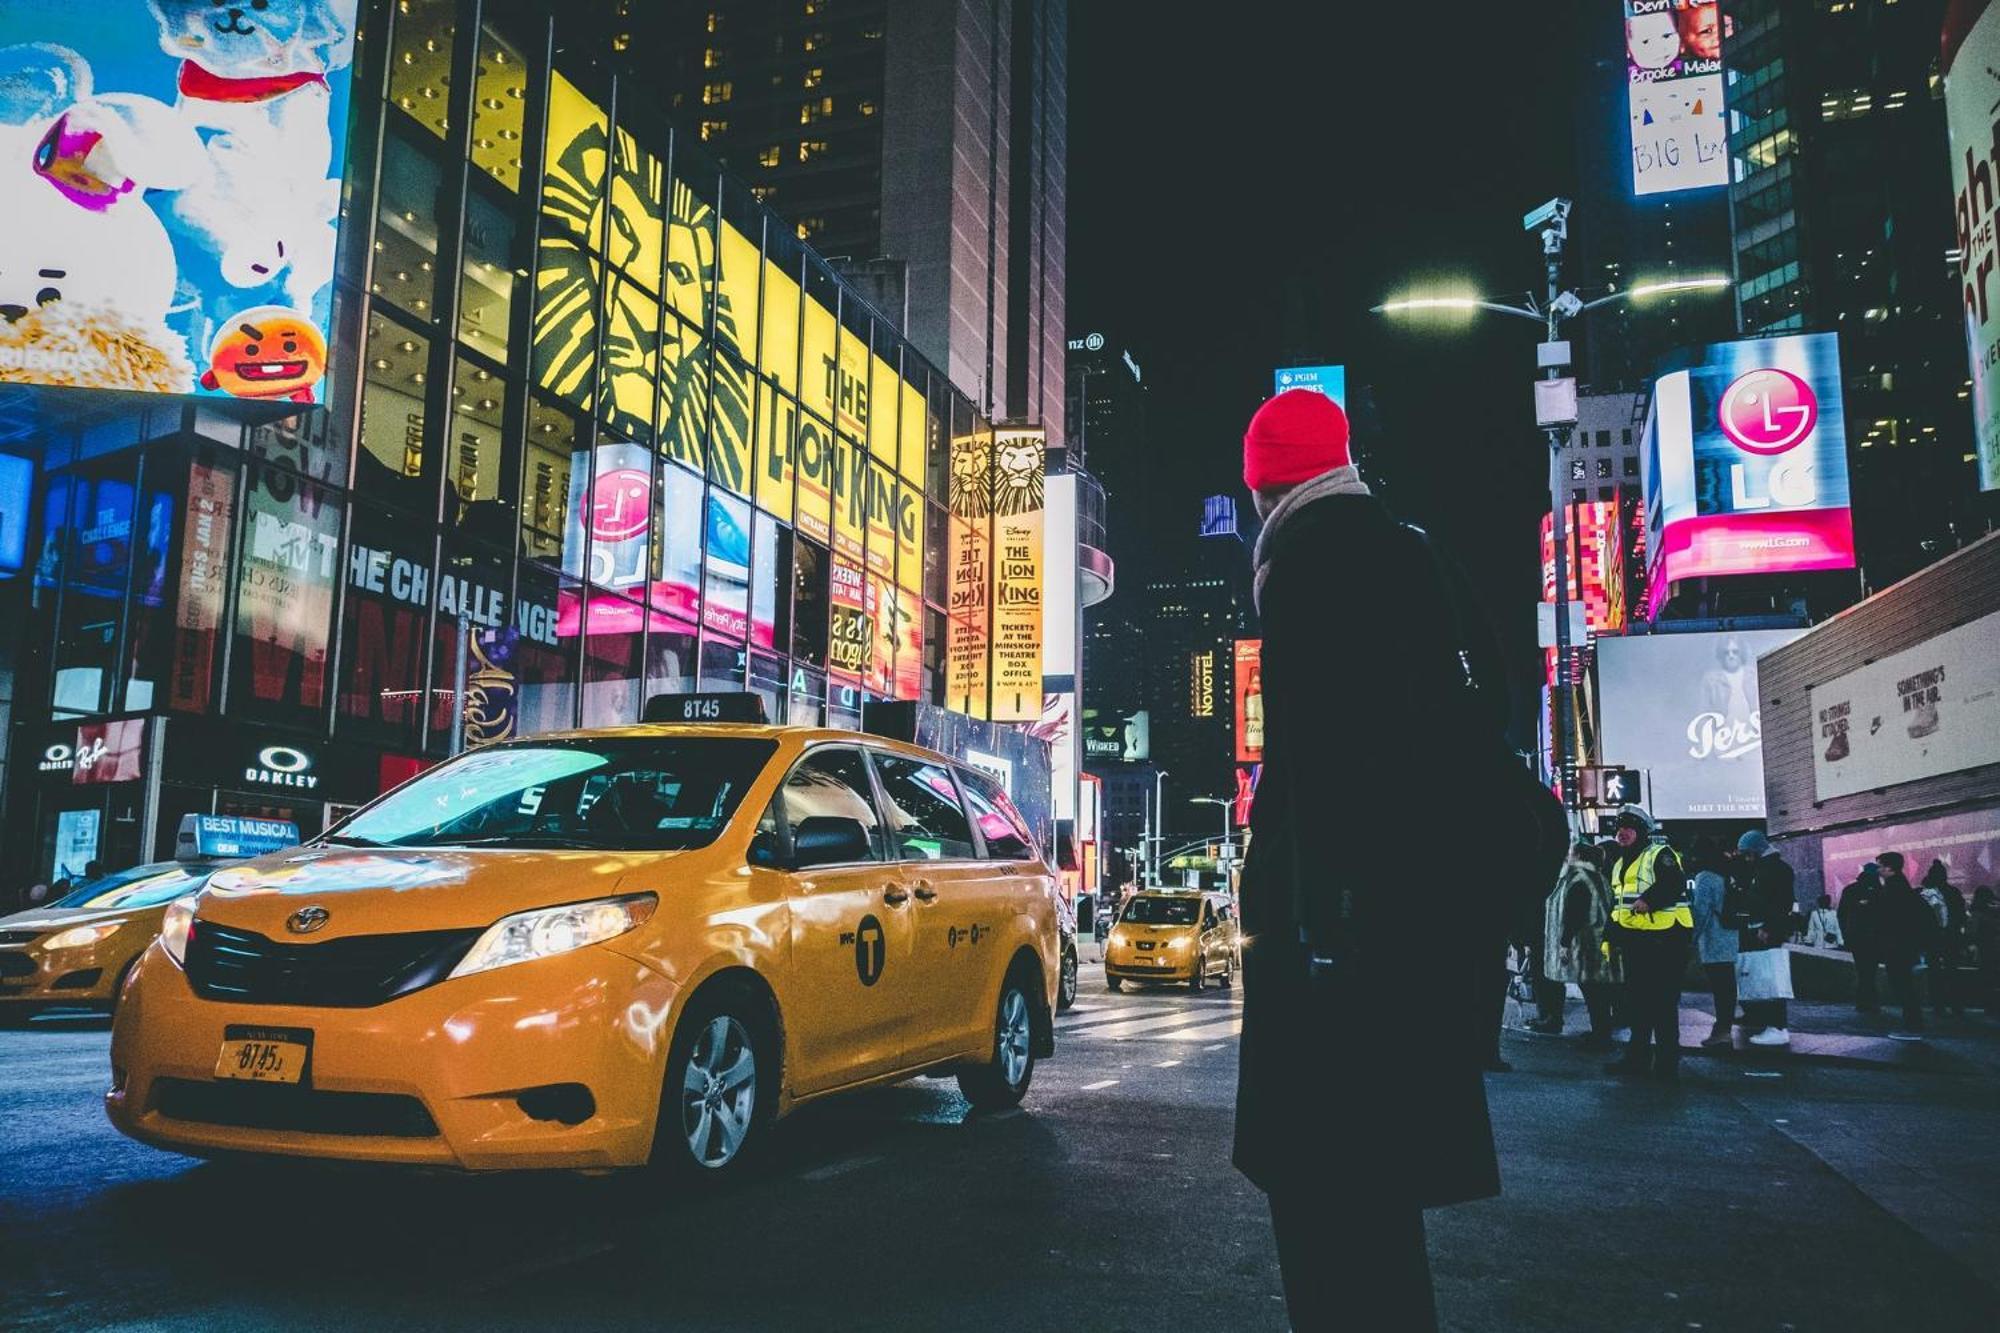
1293, 438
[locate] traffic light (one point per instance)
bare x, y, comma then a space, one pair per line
1610, 787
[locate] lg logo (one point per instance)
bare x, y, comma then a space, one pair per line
1768, 411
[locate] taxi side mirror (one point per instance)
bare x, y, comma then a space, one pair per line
827, 840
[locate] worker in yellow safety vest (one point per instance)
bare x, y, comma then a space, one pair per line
1651, 926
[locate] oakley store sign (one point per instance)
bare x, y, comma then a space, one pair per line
92, 754
205, 754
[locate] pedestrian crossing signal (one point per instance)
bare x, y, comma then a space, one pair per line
1610, 787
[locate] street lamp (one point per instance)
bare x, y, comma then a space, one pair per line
1555, 308
1228, 821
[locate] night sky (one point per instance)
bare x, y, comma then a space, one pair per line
1246, 187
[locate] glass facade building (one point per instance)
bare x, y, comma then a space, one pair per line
597, 426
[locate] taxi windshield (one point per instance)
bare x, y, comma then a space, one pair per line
140, 886
615, 793
1162, 911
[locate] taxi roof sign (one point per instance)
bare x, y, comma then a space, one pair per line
204, 836
738, 706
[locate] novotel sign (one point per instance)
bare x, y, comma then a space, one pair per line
282, 766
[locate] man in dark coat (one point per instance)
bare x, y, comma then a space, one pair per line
1858, 909
1903, 929
1360, 1099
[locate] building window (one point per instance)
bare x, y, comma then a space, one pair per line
1578, 469
1631, 467
814, 77
770, 157
763, 194
711, 58
714, 129
811, 148
714, 22
1625, 437
811, 227
1603, 468
713, 94
1604, 439
866, 108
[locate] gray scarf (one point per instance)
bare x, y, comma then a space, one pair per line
1340, 481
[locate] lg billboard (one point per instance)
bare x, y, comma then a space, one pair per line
1682, 709
1745, 464
172, 176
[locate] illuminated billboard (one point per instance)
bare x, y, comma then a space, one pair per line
1745, 464
1683, 709
1673, 71
172, 183
1249, 701
1972, 114
1329, 380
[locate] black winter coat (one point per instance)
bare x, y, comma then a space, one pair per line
1392, 824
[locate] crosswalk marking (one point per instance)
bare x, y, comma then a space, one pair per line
1099, 1086
1229, 1028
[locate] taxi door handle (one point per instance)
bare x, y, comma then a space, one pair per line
894, 896
925, 893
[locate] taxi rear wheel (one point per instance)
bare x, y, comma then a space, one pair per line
715, 1103
1066, 989
1004, 1082
1199, 981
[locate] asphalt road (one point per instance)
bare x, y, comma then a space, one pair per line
1107, 1203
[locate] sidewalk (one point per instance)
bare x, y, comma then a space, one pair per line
1910, 1125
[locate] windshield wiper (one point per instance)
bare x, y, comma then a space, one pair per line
347, 840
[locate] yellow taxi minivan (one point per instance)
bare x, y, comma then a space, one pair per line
1174, 935
601, 949
74, 954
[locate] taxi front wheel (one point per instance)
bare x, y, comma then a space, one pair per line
714, 1108
1004, 1082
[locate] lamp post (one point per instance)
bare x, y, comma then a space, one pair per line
1553, 310
1228, 821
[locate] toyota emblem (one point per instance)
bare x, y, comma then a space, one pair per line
306, 920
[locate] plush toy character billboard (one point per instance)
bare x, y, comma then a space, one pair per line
172, 171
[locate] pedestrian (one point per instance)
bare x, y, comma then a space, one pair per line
1714, 937
1985, 931
1948, 943
1575, 918
1823, 926
1860, 903
1904, 925
1651, 926
1496, 974
1763, 966
1360, 1100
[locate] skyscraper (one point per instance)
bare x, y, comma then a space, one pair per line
921, 144
1842, 220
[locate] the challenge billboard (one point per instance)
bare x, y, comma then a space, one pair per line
1972, 114
1745, 464
172, 176
1683, 709
1673, 73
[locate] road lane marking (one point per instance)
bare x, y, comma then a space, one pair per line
1099, 1086
1166, 1064
1231, 1028
1138, 1025
1219, 1046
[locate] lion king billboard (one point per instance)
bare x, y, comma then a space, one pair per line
172, 176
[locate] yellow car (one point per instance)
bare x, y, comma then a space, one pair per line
601, 949
74, 953
1174, 935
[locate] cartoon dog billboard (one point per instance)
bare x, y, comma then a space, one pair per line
172, 170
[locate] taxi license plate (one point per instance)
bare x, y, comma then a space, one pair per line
264, 1055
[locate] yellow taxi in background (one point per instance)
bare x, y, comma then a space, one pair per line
75, 953
601, 949
1174, 935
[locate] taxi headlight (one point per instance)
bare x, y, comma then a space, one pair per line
1178, 942
176, 927
78, 936
547, 931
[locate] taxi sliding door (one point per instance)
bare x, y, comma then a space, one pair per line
847, 1017
953, 907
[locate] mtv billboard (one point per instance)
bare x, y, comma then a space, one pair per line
1745, 464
